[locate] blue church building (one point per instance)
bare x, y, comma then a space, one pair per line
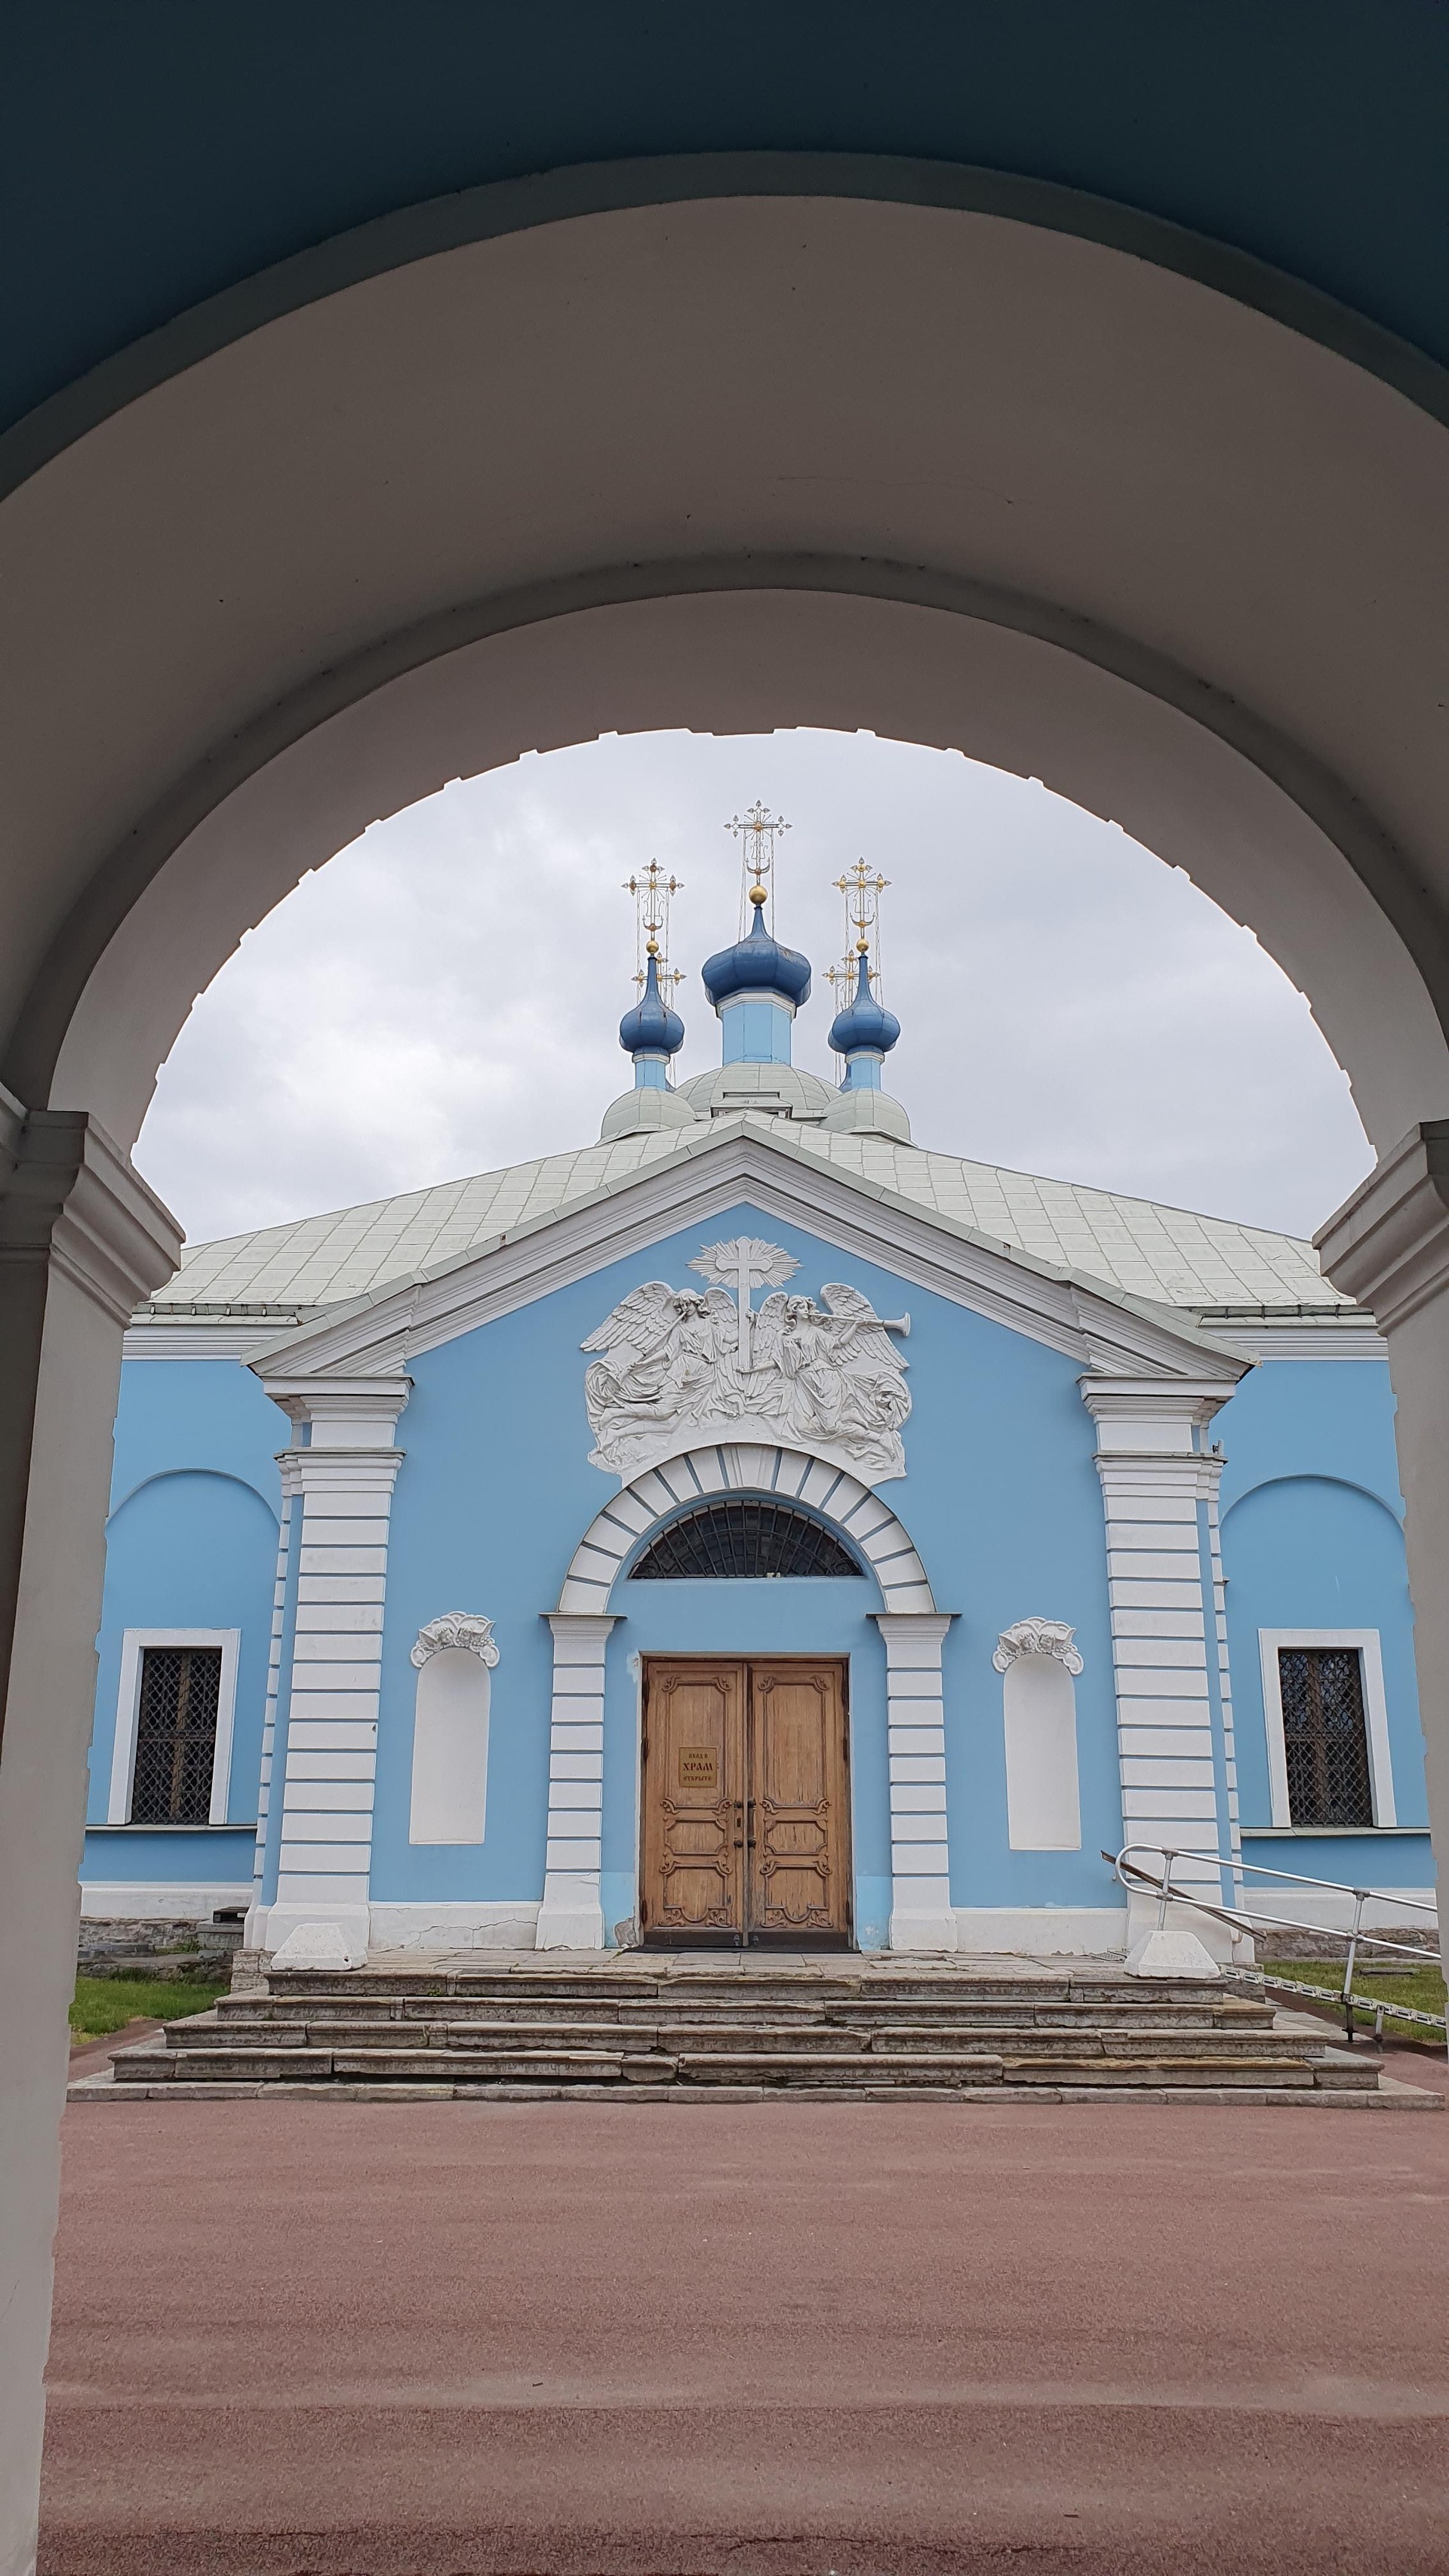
754, 1528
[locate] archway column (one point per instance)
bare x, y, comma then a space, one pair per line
1388, 1247
81, 1240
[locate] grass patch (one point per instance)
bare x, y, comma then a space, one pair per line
1423, 1991
106, 2004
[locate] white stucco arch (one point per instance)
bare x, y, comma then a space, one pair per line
733, 460
912, 1628
709, 1472
1012, 491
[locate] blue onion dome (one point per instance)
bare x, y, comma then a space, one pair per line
863, 1022
651, 1028
757, 964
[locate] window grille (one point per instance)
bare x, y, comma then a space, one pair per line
176, 1735
741, 1542
1325, 1736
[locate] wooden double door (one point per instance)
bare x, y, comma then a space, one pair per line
746, 1803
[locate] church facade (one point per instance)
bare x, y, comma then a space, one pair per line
753, 1529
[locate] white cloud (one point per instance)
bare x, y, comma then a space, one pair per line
443, 998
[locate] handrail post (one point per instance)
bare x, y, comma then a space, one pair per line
1168, 1858
1360, 1895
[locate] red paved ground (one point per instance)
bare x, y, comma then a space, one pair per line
787, 2338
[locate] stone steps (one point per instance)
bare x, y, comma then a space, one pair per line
658, 2032
947, 2069
204, 2033
756, 1989
238, 2013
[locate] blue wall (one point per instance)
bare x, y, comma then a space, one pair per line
1001, 1499
191, 1543
1312, 1539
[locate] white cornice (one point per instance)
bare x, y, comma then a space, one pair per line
1148, 1472
201, 1337
342, 1471
71, 1196
1346, 1336
344, 1412
1188, 1401
1069, 1312
1388, 1246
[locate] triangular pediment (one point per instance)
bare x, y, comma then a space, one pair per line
751, 1159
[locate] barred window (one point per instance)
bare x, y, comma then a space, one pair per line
176, 1735
740, 1542
1325, 1735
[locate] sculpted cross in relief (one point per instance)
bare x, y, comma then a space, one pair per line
675, 1366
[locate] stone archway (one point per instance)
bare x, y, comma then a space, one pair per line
1046, 498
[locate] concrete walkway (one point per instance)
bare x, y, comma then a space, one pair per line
914, 2341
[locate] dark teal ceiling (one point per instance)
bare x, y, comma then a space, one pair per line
155, 152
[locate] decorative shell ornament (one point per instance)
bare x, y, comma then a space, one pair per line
465, 1628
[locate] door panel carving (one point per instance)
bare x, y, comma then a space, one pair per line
797, 1839
746, 1803
692, 1877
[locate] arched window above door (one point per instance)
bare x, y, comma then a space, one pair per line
743, 1540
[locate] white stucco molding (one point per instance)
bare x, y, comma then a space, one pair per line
678, 1368
728, 1467
1037, 1637
1388, 1246
70, 1197
465, 1628
349, 1413
1157, 1416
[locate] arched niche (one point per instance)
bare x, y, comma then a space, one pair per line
1038, 1664
454, 1657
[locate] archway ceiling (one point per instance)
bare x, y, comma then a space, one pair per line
1102, 524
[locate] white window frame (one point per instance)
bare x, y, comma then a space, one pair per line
128, 1710
1375, 1709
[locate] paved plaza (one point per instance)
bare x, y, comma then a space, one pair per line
439, 2340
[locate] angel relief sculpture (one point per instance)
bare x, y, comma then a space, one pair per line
673, 1364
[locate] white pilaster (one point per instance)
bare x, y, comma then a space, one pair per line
1169, 1634
344, 1477
921, 1913
274, 1683
572, 1914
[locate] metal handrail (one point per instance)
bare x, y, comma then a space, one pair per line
1246, 1918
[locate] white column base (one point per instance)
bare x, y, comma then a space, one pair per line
930, 1923
1217, 1941
1170, 1954
311, 1936
571, 1916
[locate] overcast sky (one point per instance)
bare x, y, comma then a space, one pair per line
444, 996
